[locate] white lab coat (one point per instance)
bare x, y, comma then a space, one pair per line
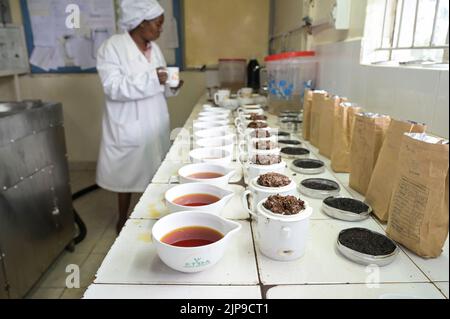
136, 128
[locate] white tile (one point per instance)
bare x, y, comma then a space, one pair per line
388, 291
381, 84
152, 204
415, 96
344, 63
172, 292
133, 260
436, 269
440, 124
323, 264
359, 84
443, 286
165, 172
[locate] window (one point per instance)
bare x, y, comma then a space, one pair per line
407, 32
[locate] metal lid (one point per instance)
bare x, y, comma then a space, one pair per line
365, 259
308, 171
345, 214
319, 193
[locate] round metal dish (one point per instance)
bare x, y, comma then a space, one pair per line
308, 171
316, 193
282, 134
295, 156
343, 214
291, 143
365, 259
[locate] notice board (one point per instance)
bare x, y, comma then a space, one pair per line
55, 48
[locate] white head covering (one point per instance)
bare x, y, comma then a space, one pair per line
136, 11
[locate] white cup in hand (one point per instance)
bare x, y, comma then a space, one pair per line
173, 76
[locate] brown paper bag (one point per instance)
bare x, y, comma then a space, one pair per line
326, 127
317, 99
368, 136
307, 114
418, 212
343, 133
380, 187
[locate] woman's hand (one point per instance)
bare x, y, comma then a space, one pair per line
179, 85
162, 75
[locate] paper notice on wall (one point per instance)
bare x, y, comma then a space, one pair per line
47, 38
98, 37
80, 50
41, 57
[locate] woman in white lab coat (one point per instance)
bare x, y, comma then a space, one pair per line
136, 128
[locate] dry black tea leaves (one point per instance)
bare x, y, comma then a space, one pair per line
367, 242
347, 204
308, 163
295, 151
320, 184
289, 142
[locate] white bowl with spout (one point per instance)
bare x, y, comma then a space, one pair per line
198, 125
179, 191
215, 110
214, 114
216, 142
186, 174
192, 259
214, 132
211, 156
217, 120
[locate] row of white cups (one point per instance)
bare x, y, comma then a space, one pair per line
216, 143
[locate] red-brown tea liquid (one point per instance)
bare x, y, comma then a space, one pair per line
205, 175
195, 200
192, 237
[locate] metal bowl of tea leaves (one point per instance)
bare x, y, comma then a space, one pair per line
308, 166
295, 152
366, 247
319, 188
344, 208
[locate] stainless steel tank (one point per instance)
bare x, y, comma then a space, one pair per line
36, 214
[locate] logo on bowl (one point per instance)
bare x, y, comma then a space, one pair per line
196, 263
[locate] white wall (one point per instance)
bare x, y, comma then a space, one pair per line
404, 93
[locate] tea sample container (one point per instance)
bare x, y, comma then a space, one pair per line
308, 166
347, 209
295, 152
367, 247
319, 188
290, 142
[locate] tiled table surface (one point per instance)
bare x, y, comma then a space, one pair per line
132, 268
